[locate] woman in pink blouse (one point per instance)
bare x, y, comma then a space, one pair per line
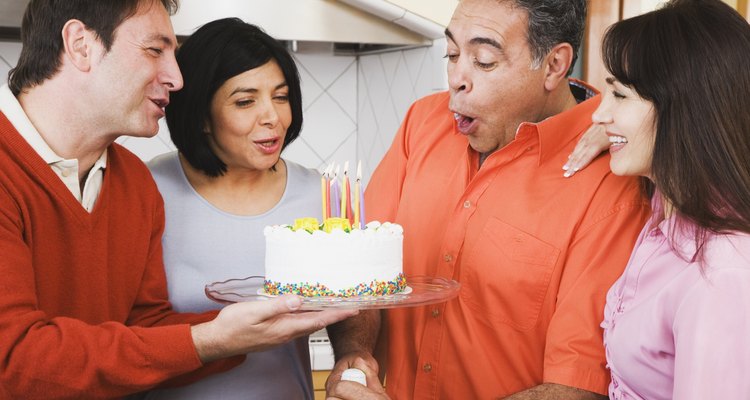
677, 112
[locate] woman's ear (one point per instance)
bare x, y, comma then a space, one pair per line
556, 65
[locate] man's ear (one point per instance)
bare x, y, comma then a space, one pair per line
556, 65
77, 44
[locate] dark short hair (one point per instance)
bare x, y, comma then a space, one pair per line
690, 59
43, 22
552, 22
216, 52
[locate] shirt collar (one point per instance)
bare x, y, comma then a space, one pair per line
12, 109
559, 130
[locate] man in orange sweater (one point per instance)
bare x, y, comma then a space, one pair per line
83, 299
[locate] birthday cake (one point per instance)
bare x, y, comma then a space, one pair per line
332, 259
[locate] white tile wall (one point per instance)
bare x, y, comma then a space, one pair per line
387, 85
352, 105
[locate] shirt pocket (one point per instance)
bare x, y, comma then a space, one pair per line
506, 275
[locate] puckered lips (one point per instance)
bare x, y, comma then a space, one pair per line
616, 142
467, 124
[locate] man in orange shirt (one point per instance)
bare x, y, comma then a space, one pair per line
474, 177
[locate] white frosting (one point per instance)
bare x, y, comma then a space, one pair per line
338, 260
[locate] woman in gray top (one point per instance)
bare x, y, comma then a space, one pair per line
240, 107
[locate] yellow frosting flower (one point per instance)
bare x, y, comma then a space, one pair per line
332, 223
309, 224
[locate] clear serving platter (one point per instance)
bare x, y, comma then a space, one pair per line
421, 290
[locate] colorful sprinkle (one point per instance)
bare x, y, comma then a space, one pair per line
306, 289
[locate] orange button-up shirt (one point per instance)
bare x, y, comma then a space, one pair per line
534, 252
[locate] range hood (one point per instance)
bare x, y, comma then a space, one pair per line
350, 24
356, 24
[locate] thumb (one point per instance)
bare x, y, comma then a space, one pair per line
264, 310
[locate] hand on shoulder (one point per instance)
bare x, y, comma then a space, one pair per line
593, 142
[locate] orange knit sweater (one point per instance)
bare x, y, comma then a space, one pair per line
83, 298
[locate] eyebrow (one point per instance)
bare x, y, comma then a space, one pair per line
254, 90
166, 40
610, 80
477, 40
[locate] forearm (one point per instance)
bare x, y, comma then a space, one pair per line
355, 335
553, 391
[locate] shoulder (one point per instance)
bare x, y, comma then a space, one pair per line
433, 100
130, 174
728, 252
297, 171
428, 121
164, 165
429, 106
301, 179
120, 158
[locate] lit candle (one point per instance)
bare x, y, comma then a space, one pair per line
323, 192
343, 190
349, 196
360, 189
329, 172
335, 195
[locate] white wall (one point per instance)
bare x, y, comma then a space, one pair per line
352, 105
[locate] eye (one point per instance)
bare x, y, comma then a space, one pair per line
484, 65
617, 94
244, 103
155, 51
282, 98
451, 57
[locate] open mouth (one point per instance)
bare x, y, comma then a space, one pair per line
161, 103
466, 124
616, 142
268, 146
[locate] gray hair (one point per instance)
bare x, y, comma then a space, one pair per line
552, 22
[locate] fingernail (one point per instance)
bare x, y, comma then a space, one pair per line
568, 174
565, 167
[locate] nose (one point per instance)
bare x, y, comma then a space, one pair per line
603, 115
171, 77
459, 79
269, 116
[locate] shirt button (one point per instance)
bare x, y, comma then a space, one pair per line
435, 313
65, 173
448, 258
467, 204
427, 367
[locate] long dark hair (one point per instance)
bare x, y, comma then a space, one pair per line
691, 59
216, 52
42, 24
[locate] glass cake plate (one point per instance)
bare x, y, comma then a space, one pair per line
421, 290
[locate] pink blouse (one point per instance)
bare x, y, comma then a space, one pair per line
673, 330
